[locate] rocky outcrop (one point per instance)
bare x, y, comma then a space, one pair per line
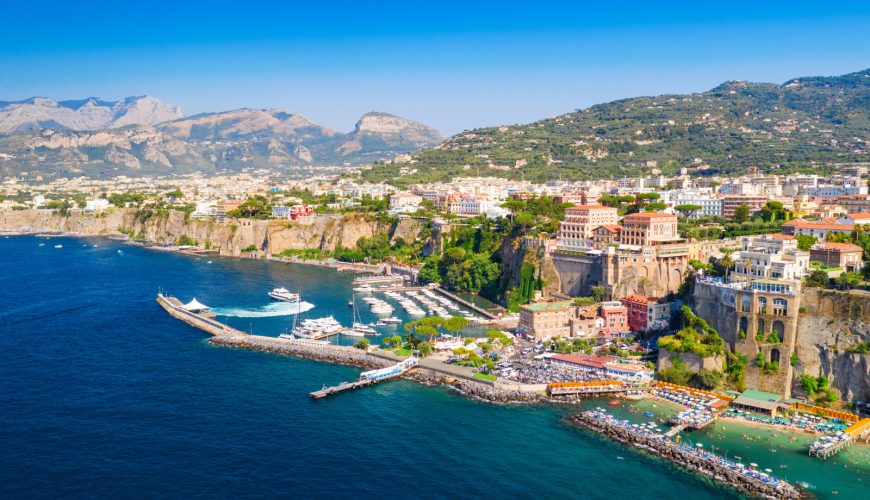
693, 362
229, 237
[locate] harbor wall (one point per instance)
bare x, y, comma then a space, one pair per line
670, 452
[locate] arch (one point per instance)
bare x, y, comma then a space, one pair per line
762, 305
743, 325
760, 326
774, 355
779, 328
745, 303
780, 307
827, 305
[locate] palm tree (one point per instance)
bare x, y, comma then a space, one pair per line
727, 261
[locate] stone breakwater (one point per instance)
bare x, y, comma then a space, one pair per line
350, 356
694, 460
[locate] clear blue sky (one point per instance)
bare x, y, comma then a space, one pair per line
452, 65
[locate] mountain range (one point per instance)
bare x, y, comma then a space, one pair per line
808, 123
142, 135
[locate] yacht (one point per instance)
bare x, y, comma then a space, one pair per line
364, 288
58, 246
285, 295
363, 329
286, 336
391, 319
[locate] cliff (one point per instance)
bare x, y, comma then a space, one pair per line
228, 237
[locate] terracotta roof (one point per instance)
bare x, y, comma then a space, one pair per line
589, 207
650, 215
613, 228
800, 223
827, 245
780, 236
594, 361
641, 299
859, 216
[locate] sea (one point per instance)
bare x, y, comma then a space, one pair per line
103, 394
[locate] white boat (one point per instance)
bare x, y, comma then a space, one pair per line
392, 319
285, 295
286, 336
353, 333
363, 328
364, 288
58, 246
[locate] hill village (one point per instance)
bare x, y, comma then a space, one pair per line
703, 283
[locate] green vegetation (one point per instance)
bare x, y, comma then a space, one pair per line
735, 370
362, 344
696, 336
485, 376
122, 199
819, 389
257, 207
729, 127
305, 253
805, 242
250, 248
186, 241
678, 374
794, 360
862, 348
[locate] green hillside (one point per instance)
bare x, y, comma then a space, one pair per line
806, 124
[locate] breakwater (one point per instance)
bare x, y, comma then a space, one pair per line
723, 471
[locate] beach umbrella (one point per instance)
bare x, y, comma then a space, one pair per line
699, 445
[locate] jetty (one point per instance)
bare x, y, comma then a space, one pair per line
368, 378
747, 480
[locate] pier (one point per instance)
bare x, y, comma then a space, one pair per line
483, 312
592, 387
368, 378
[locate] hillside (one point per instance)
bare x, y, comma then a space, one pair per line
803, 123
81, 138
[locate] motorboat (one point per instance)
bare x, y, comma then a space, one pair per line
284, 295
364, 329
391, 320
364, 288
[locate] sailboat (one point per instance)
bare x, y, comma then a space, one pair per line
359, 329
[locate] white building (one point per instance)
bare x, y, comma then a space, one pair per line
772, 256
96, 205
405, 201
834, 191
709, 206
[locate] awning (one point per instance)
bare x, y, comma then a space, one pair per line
194, 305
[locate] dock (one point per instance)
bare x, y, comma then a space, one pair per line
368, 378
591, 387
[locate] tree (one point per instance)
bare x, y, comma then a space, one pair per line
687, 210
805, 242
707, 379
362, 344
425, 349
774, 338
809, 384
598, 292
655, 207
817, 278
741, 213
456, 324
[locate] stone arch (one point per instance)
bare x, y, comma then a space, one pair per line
779, 328
676, 277
760, 325
827, 305
743, 324
774, 355
762, 305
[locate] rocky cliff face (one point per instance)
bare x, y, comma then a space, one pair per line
228, 238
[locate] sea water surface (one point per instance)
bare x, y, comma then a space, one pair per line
104, 394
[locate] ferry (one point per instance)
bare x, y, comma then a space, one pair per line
284, 295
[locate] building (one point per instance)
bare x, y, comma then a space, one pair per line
834, 191
96, 205
604, 236
709, 206
856, 203
856, 219
293, 212
615, 318
222, 208
547, 320
648, 229
849, 256
575, 232
764, 403
772, 256
646, 313
605, 366
405, 201
730, 204
818, 230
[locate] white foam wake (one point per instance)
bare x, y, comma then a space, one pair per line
273, 309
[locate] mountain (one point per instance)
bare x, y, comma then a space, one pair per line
85, 114
805, 123
230, 140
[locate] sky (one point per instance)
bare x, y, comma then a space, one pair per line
451, 65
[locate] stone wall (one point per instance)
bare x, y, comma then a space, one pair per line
693, 362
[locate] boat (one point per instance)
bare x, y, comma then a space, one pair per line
350, 302
648, 414
364, 288
391, 320
284, 295
286, 336
58, 246
613, 402
359, 329
363, 328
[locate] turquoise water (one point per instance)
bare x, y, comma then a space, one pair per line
104, 394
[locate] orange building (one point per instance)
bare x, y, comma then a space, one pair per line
648, 229
575, 232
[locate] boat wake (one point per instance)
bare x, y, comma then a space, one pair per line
273, 309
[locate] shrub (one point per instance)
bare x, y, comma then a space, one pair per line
362, 344
795, 360
250, 248
185, 241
